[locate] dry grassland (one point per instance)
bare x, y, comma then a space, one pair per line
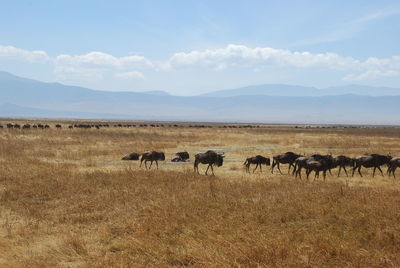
67, 200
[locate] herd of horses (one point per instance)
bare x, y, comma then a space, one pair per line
316, 163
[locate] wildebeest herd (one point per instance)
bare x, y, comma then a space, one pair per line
316, 163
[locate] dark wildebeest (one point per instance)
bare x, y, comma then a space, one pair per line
393, 164
26, 126
17, 126
132, 156
286, 158
180, 157
342, 162
152, 156
10, 125
258, 160
371, 161
315, 163
58, 126
211, 158
320, 163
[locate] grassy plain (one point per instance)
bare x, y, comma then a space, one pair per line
67, 200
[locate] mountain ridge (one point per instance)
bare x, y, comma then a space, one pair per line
41, 99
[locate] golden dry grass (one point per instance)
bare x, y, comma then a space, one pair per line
66, 199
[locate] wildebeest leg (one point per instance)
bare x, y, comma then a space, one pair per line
324, 174
359, 170
254, 170
330, 172
151, 163
379, 168
290, 164
208, 168
141, 161
373, 173
261, 168
393, 170
345, 171
248, 168
272, 167
145, 163
212, 170
298, 172
279, 168
340, 168
157, 164
354, 169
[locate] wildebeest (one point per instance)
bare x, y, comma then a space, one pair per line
152, 156
315, 163
180, 157
17, 126
393, 164
286, 158
132, 156
26, 126
211, 158
58, 126
342, 162
370, 161
10, 125
258, 160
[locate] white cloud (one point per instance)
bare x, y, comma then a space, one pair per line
97, 65
239, 56
243, 56
103, 60
18, 54
130, 75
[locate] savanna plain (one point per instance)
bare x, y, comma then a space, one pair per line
68, 200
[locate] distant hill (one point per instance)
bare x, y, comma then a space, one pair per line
299, 91
20, 97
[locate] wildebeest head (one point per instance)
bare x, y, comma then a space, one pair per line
220, 159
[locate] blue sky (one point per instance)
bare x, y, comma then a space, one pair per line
192, 47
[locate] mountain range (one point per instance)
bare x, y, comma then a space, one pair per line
354, 104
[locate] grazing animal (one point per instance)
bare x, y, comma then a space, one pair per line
342, 162
180, 157
26, 126
10, 125
258, 160
393, 164
211, 158
286, 158
152, 156
370, 161
132, 156
58, 126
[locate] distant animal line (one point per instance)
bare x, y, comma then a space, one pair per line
316, 163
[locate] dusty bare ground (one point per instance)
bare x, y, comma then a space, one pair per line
66, 199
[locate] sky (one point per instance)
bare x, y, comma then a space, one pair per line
194, 47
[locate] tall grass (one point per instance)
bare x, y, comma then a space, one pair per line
66, 199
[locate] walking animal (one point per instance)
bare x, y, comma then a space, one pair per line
211, 158
393, 164
342, 162
258, 160
152, 156
370, 161
286, 158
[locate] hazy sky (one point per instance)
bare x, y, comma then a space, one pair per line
191, 47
